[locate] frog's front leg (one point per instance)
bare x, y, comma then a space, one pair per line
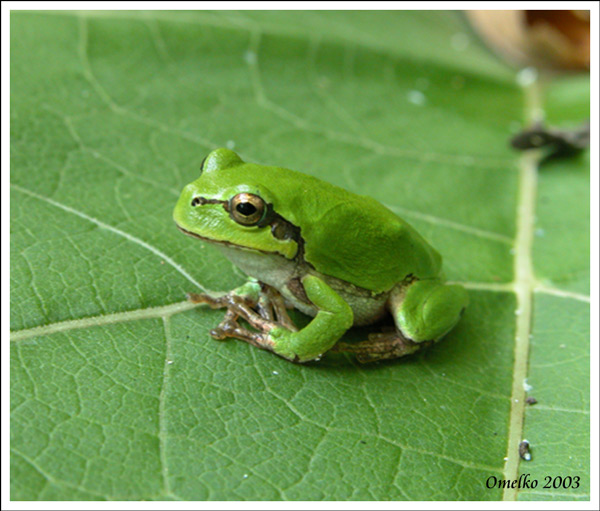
272, 301
334, 317
242, 301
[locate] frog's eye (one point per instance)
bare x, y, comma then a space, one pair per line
247, 209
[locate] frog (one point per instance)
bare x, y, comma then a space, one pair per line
343, 259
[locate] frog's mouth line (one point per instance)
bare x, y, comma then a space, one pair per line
203, 238
225, 243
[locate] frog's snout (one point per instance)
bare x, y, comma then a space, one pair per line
183, 205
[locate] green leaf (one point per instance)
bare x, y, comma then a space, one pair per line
117, 390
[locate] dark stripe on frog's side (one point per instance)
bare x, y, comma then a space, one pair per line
283, 229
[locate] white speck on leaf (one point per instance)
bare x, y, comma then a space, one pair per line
275, 372
245, 476
250, 57
460, 41
416, 97
527, 76
526, 386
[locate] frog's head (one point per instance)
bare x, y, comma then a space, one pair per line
230, 203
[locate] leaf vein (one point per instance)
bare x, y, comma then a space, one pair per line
524, 281
302, 124
116, 231
162, 398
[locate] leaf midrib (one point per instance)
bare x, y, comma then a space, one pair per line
524, 279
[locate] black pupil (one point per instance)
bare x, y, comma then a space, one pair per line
245, 208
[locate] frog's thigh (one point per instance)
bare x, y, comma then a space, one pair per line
333, 319
427, 309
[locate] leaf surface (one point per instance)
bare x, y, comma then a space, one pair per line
117, 391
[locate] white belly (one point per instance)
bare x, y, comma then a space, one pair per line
277, 271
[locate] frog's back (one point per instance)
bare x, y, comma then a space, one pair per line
353, 237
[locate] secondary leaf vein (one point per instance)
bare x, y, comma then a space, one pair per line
114, 230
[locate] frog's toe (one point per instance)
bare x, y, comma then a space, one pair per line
226, 328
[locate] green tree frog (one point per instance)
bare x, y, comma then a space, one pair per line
342, 258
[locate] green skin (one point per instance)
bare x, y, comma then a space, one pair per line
343, 258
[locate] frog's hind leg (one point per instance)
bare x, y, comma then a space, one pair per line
424, 311
379, 346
